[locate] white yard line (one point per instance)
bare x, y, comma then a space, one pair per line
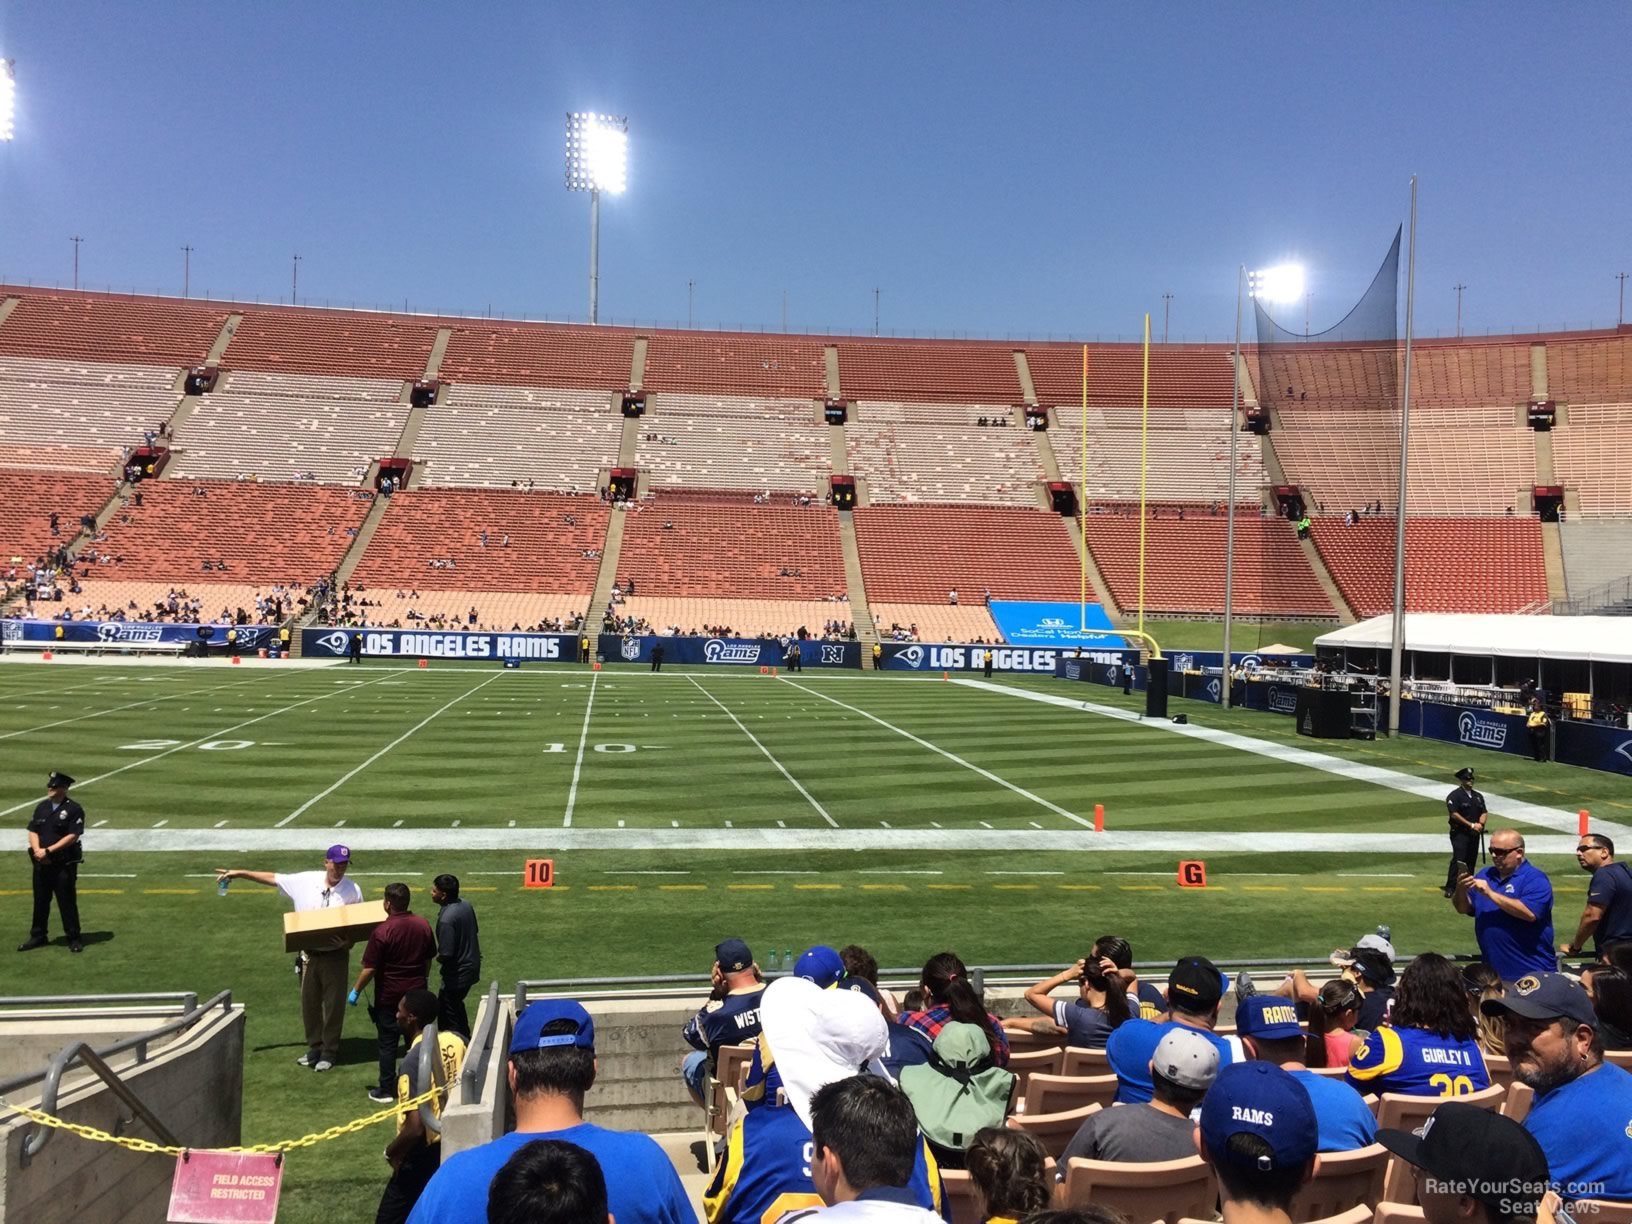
349, 775
1288, 754
203, 739
809, 798
953, 757
578, 765
63, 722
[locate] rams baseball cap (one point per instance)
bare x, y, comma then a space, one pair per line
821, 965
1186, 1058
733, 955
1544, 996
530, 1025
1475, 1152
338, 854
1268, 1017
1258, 1098
1195, 985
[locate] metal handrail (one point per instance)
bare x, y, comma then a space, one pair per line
187, 998
79, 1051
479, 1050
429, 1072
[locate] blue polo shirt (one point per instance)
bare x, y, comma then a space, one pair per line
1345, 1121
1510, 945
1133, 1043
1582, 1127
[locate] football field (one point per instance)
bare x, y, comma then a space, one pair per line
902, 812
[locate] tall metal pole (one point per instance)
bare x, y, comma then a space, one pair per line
595, 255
186, 271
1229, 508
875, 312
76, 240
691, 290
1397, 646
1620, 313
1167, 305
1459, 286
294, 284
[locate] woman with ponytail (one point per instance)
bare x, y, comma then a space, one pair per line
1102, 1003
950, 995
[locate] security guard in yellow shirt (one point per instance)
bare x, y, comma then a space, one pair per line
1538, 726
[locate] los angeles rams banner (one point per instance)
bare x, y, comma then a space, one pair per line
920, 656
729, 652
1054, 625
1592, 745
432, 644
133, 633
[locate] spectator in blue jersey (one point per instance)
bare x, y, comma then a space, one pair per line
1511, 904
730, 1017
552, 1068
948, 994
1269, 1027
812, 1037
1195, 988
1101, 1005
1430, 1046
1582, 1102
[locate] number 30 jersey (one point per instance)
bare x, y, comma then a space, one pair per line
1418, 1062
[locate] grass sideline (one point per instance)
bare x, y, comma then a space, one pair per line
442, 750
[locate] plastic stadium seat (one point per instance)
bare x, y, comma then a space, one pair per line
1053, 1131
1344, 1181
1165, 1190
1047, 1094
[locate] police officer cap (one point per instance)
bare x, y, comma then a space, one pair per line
58, 781
1464, 774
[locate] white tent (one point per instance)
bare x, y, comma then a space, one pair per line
1605, 639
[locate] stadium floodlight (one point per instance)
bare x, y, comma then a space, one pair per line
8, 99
597, 161
1282, 283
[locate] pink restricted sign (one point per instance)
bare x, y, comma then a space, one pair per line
225, 1188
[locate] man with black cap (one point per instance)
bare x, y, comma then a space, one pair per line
730, 1017
1472, 1166
1195, 988
1465, 808
55, 851
1580, 1115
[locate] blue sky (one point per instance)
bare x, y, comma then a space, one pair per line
1032, 170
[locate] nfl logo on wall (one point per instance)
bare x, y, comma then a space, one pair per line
629, 648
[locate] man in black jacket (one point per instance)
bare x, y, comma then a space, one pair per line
458, 951
54, 849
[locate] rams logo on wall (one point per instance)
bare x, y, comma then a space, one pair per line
913, 655
334, 643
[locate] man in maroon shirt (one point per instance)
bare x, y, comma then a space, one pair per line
397, 959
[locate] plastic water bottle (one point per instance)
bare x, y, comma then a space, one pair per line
221, 887
1386, 932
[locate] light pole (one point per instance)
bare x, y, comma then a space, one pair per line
1167, 305
294, 284
691, 290
1459, 286
875, 312
186, 270
597, 161
76, 240
8, 99
1620, 313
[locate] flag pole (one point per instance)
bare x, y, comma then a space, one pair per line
1397, 645
1144, 469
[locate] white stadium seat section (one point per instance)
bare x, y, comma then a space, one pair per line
560, 438
937, 453
92, 408
231, 436
1188, 455
734, 442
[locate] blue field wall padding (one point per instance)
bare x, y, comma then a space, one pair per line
1053, 625
727, 652
923, 657
133, 633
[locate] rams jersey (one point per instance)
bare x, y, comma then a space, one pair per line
766, 1171
1418, 1062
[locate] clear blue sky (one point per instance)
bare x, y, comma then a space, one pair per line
1040, 169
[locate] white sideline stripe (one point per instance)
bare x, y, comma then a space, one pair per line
809, 798
203, 739
1499, 805
953, 757
578, 765
1026, 873
350, 774
147, 701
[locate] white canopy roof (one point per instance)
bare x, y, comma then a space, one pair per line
1600, 638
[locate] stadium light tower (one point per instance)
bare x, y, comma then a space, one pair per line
1281, 284
597, 161
8, 99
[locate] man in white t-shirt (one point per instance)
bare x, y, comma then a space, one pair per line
324, 974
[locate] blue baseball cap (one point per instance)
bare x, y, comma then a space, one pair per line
530, 1025
821, 965
1268, 1017
1544, 996
733, 955
1258, 1098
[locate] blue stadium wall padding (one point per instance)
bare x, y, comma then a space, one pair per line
1054, 625
135, 633
966, 657
434, 644
729, 652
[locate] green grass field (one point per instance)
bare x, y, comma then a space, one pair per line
898, 811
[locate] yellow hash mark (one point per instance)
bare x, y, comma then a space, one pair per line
884, 887
1321, 888
1263, 887
170, 892
750, 887
102, 892
1016, 887
1139, 887
613, 887
464, 888
1079, 887
819, 887
683, 887
1384, 888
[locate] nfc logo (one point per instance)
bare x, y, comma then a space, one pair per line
1192, 874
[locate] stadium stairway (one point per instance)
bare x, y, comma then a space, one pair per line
359, 545
1277, 475
607, 576
861, 613
1051, 470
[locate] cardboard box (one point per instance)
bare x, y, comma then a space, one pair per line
315, 930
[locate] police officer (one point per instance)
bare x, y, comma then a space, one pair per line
657, 656
1465, 808
55, 850
355, 648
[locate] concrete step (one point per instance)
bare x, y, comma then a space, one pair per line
861, 615
607, 576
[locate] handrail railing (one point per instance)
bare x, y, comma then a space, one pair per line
479, 1050
430, 1072
187, 998
98, 1061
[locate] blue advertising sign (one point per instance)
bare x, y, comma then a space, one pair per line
430, 644
731, 652
1251, 661
1099, 667
1053, 624
920, 656
1593, 745
133, 633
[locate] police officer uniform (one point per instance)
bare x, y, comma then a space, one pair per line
355, 648
56, 820
1464, 806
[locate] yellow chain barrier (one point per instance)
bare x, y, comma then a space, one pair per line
159, 1149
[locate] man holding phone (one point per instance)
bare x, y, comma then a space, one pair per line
1511, 904
1465, 808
